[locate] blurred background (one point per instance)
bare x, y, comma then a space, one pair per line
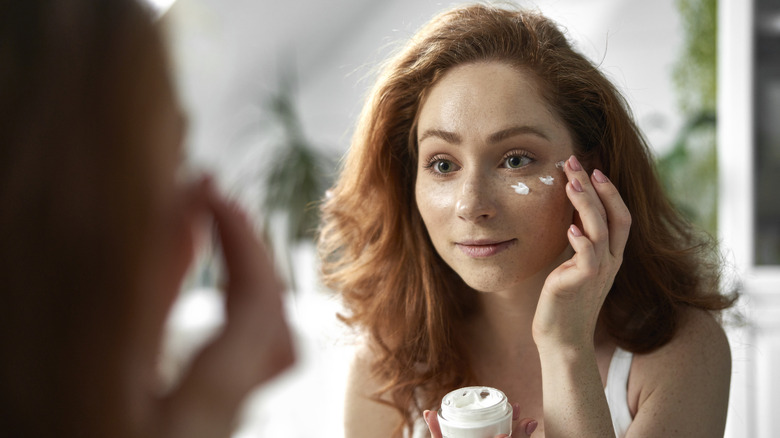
273, 89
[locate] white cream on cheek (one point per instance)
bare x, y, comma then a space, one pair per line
521, 188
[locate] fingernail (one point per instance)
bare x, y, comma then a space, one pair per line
531, 427
515, 411
574, 163
575, 183
575, 230
425, 416
599, 177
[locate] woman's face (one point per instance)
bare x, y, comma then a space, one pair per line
487, 187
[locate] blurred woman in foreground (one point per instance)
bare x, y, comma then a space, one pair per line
97, 230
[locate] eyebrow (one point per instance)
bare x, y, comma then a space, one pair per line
497, 137
449, 137
516, 130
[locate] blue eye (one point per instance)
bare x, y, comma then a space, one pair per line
517, 161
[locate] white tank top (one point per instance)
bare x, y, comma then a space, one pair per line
616, 391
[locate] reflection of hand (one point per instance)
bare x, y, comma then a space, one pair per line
253, 346
527, 425
574, 292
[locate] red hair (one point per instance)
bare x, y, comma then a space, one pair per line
376, 251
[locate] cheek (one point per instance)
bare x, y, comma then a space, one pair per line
435, 202
542, 202
543, 216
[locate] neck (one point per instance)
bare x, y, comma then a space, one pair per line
504, 320
503, 324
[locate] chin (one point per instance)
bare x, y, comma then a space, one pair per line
490, 280
507, 274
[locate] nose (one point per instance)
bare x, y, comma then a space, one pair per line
475, 201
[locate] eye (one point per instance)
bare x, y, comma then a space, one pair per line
440, 166
516, 161
444, 166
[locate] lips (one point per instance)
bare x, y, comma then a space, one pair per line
480, 249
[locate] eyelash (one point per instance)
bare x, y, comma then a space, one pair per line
517, 153
429, 166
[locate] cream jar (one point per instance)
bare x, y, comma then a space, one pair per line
475, 412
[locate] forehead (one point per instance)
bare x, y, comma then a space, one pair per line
483, 98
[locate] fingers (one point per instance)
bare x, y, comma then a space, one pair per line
432, 420
605, 217
246, 261
527, 426
254, 311
619, 223
586, 201
254, 344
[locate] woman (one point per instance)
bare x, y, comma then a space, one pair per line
97, 233
479, 235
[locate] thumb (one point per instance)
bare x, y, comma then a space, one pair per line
432, 420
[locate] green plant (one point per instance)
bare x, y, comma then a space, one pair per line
689, 171
295, 181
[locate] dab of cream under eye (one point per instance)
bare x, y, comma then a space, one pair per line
521, 189
548, 180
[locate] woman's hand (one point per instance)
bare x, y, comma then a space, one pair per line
573, 293
526, 425
253, 346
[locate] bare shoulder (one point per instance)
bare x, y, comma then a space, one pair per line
363, 415
685, 382
698, 344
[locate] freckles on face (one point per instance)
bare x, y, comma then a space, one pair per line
527, 232
488, 189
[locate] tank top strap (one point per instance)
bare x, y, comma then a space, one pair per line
616, 390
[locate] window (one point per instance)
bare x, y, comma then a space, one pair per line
766, 152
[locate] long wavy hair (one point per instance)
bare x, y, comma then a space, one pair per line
77, 82
376, 251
